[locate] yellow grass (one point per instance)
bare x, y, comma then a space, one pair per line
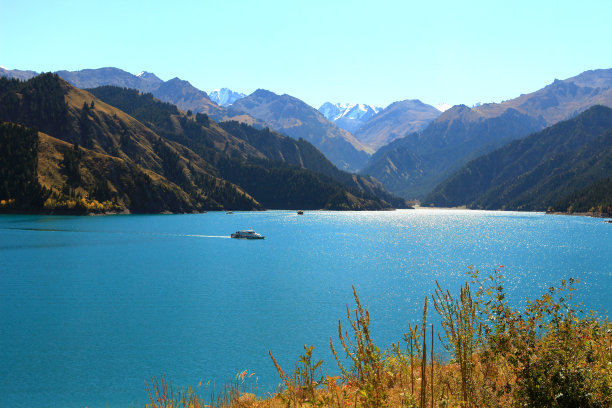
547, 355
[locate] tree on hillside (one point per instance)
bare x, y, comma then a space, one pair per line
18, 167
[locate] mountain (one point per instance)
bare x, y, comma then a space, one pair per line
175, 91
149, 76
561, 100
186, 96
245, 145
292, 117
535, 172
461, 134
92, 156
91, 78
224, 96
596, 198
396, 120
15, 73
443, 107
97, 152
348, 116
411, 166
597, 78
340, 146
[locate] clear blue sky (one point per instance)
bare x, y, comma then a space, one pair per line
374, 52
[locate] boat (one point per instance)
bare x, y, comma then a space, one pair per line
247, 234
300, 212
229, 212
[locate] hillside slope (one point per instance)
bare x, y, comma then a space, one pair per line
180, 162
411, 166
243, 144
596, 198
483, 129
175, 91
292, 117
396, 120
535, 172
78, 118
562, 99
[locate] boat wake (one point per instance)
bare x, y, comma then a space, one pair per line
163, 234
203, 236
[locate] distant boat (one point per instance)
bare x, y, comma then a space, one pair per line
300, 212
229, 212
247, 234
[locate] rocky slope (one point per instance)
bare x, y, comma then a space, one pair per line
292, 117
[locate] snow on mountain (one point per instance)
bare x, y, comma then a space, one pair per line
336, 111
443, 107
349, 116
225, 96
149, 76
329, 110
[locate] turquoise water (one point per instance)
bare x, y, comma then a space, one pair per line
91, 307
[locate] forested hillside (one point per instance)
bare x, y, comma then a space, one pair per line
19, 186
292, 117
163, 175
156, 158
253, 150
536, 172
595, 198
413, 165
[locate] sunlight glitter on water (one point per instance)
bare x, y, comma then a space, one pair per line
144, 295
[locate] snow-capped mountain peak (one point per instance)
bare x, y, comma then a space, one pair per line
148, 76
336, 111
349, 116
442, 107
225, 96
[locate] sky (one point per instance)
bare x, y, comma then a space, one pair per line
372, 52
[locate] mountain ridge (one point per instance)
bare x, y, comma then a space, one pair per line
178, 167
412, 165
293, 117
496, 124
224, 96
349, 116
340, 146
535, 172
396, 120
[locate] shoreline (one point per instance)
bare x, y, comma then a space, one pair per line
415, 207
573, 214
128, 212
581, 214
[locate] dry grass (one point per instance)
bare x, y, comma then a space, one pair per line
548, 355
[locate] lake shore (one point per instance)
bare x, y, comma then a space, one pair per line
576, 214
581, 214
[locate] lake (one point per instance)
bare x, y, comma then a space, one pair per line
91, 307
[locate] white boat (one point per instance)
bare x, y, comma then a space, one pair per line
247, 234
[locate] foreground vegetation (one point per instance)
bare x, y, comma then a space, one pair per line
550, 354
